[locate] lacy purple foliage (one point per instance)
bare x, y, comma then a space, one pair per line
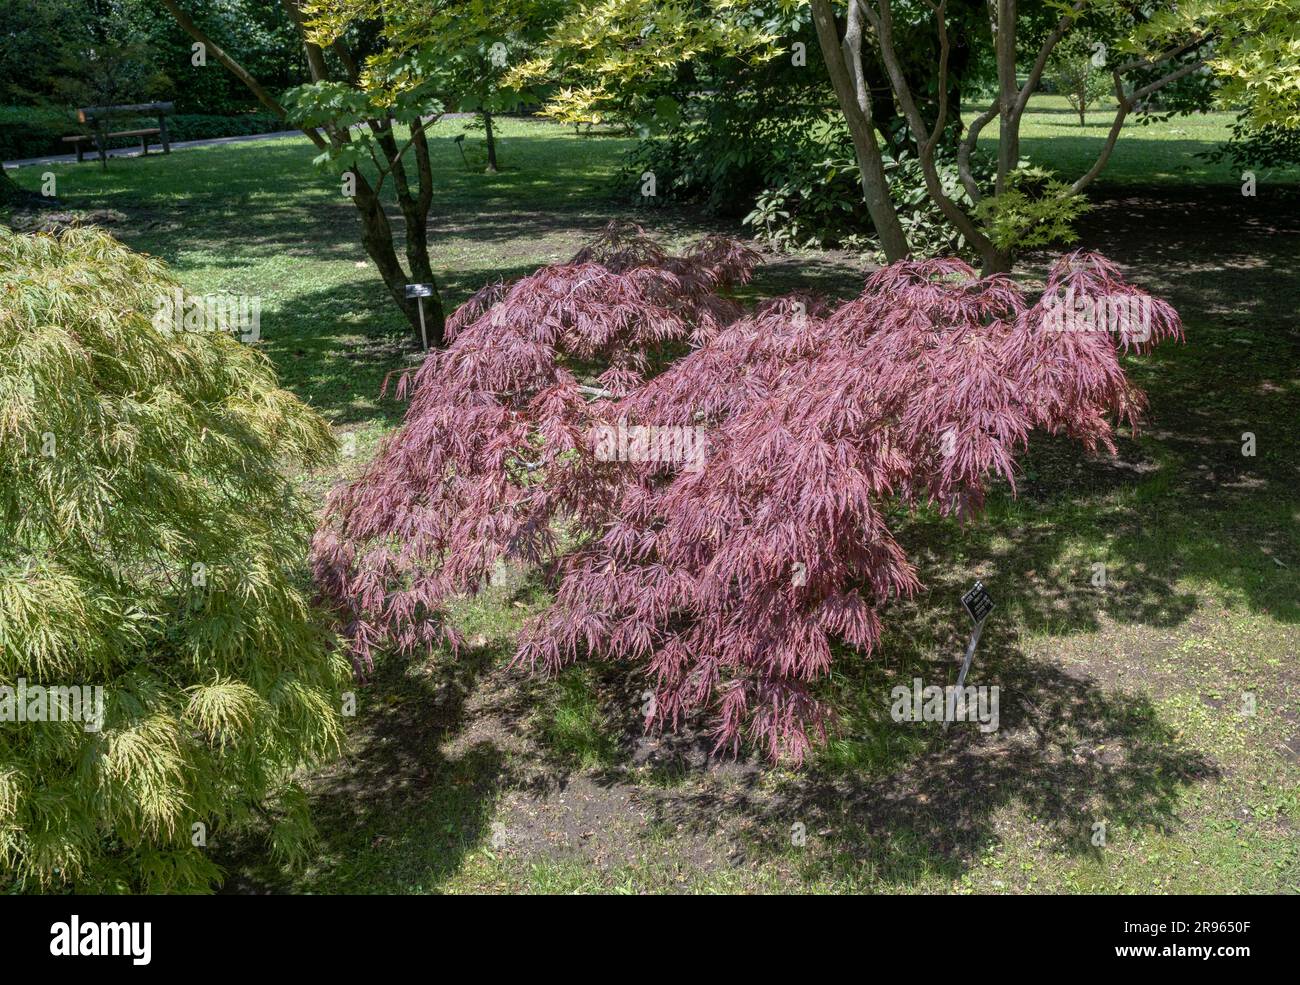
729, 577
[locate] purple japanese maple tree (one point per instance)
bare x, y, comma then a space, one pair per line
726, 573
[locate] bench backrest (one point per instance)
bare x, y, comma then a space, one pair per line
89, 114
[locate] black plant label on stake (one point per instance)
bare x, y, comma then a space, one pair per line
978, 602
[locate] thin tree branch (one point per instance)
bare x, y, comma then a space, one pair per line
941, 23
1126, 103
967, 146
255, 87
882, 21
1045, 52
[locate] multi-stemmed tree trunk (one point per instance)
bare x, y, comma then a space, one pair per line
844, 63
843, 50
414, 197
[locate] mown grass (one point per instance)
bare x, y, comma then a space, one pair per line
1149, 151
1123, 704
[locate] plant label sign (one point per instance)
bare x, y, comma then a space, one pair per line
978, 602
420, 292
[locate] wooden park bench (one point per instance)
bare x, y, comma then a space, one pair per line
99, 117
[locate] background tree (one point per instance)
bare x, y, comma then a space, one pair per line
1244, 42
628, 62
34, 38
52, 52
150, 544
468, 47
609, 48
1071, 72
989, 225
380, 75
352, 114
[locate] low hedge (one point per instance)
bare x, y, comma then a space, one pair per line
34, 132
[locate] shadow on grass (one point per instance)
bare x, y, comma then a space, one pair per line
397, 814
1068, 753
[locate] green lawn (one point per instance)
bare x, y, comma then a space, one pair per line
1154, 153
1123, 705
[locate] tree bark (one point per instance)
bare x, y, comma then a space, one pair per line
376, 230
491, 143
1004, 46
882, 20
845, 68
995, 261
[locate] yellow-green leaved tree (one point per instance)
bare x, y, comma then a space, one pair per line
162, 669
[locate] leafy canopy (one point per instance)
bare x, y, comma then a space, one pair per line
608, 59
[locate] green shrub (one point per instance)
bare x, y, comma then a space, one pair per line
814, 196
721, 151
31, 132
789, 169
151, 544
203, 126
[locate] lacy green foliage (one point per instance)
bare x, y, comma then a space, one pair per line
461, 49
1255, 57
129, 454
1034, 210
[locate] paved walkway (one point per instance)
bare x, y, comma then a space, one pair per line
93, 157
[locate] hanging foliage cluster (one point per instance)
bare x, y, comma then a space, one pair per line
714, 499
162, 668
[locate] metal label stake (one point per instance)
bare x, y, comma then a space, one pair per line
978, 604
420, 292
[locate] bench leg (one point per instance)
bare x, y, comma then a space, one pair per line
81, 151
144, 146
102, 143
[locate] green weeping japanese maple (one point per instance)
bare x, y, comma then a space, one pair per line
152, 546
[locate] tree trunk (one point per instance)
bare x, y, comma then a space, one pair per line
995, 261
1004, 46
491, 143
855, 104
376, 231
